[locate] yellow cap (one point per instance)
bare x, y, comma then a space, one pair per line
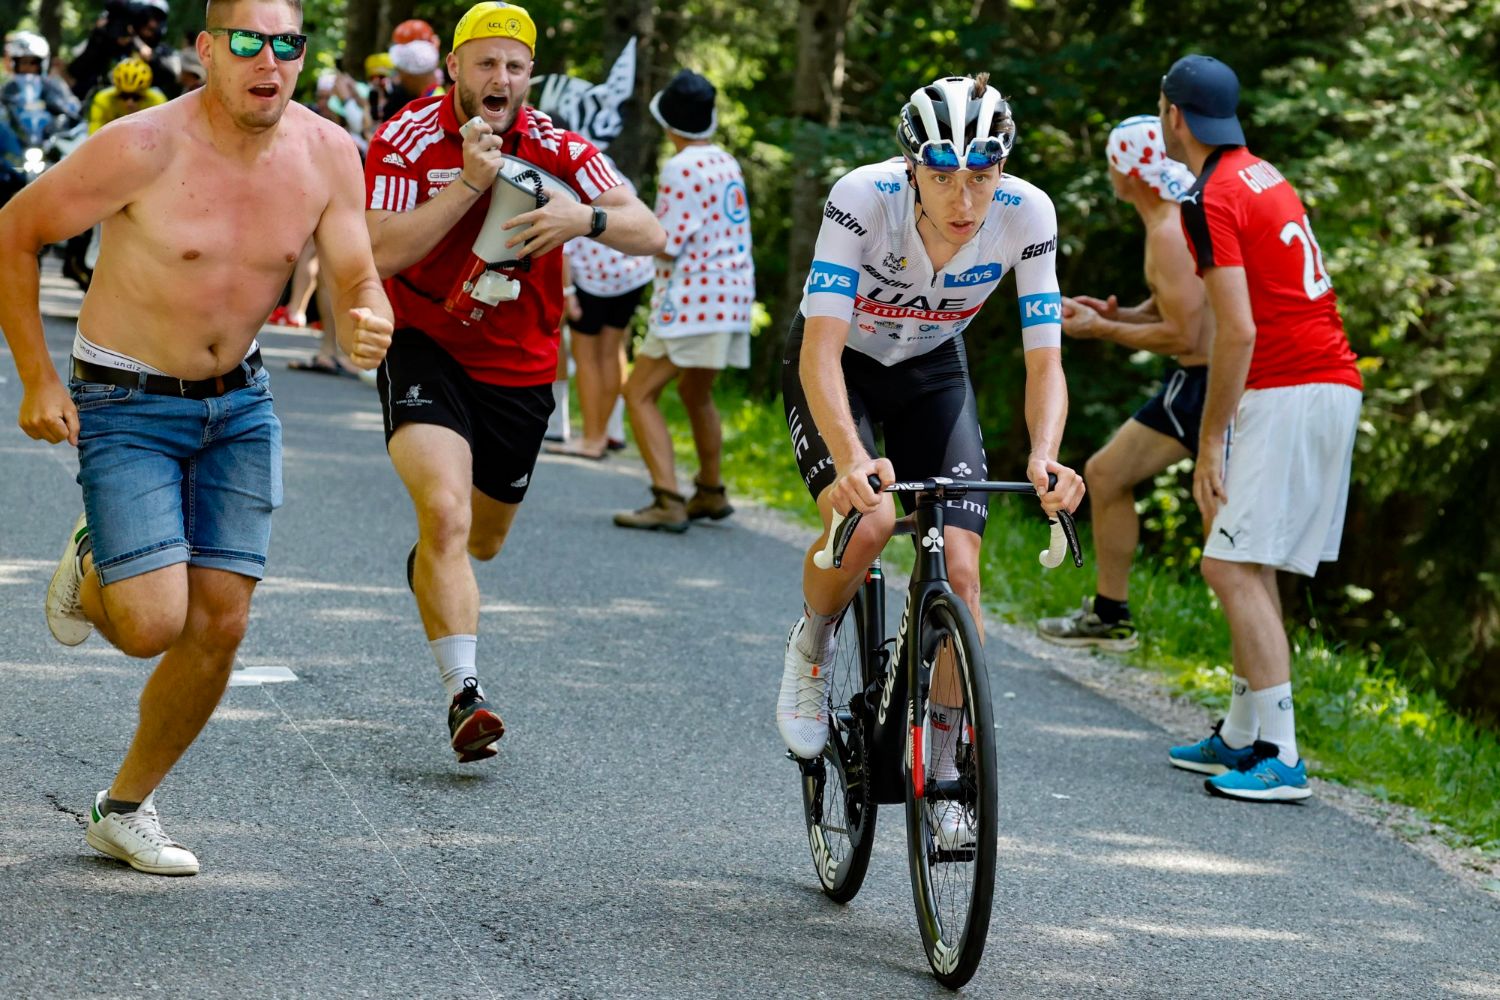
379, 62
493, 19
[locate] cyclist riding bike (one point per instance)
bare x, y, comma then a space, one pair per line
132, 91
908, 253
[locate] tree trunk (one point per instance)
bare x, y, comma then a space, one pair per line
49, 23
361, 36
657, 33
815, 106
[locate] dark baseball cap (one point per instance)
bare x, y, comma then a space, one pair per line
1208, 93
686, 106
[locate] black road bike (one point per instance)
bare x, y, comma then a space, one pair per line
885, 744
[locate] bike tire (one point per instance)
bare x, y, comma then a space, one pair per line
953, 887
841, 824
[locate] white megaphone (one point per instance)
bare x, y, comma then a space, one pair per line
519, 187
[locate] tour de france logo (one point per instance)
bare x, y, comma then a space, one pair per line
736, 205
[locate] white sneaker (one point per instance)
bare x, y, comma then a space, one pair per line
802, 705
65, 616
138, 840
955, 826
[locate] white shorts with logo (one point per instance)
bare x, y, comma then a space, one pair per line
701, 350
1287, 475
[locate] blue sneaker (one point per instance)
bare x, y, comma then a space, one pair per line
1263, 779
1209, 756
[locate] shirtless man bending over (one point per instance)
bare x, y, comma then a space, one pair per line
205, 203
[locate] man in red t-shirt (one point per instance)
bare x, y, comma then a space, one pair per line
466, 391
1277, 437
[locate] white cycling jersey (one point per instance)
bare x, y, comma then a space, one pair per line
871, 269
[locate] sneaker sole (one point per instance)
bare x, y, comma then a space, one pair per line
1200, 767
1281, 793
66, 630
477, 734
675, 529
105, 847
1112, 645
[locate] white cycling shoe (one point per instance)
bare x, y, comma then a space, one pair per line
802, 705
954, 826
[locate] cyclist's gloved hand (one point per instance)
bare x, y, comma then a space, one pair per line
1066, 495
851, 491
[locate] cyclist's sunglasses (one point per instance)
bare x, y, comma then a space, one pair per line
247, 44
941, 154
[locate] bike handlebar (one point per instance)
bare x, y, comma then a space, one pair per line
1063, 540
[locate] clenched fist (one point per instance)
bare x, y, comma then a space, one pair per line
372, 338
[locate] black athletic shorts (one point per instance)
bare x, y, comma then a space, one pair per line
600, 311
923, 407
420, 383
1177, 410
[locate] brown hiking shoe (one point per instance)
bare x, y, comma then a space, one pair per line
710, 502
667, 511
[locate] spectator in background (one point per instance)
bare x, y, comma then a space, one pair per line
1279, 424
131, 91
117, 36
700, 307
1174, 320
604, 285
380, 75
190, 71
415, 51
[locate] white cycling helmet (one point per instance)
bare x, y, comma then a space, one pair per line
957, 121
28, 45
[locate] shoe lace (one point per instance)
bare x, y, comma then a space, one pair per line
146, 824
812, 692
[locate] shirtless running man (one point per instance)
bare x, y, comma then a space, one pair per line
205, 203
1174, 320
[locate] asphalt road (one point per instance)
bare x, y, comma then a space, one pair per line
640, 834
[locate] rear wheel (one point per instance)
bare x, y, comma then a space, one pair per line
835, 791
951, 822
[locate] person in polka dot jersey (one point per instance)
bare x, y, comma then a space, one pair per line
700, 306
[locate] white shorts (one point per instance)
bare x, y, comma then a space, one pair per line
703, 350
1287, 475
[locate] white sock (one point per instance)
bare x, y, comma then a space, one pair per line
1239, 729
818, 640
946, 732
615, 428
455, 661
1274, 706
557, 424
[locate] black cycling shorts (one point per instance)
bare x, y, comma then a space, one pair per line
420, 383
923, 407
600, 311
1177, 411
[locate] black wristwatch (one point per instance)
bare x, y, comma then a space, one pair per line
600, 221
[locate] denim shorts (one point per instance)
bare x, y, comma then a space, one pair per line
168, 480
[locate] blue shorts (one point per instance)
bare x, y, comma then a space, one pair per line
1177, 411
168, 480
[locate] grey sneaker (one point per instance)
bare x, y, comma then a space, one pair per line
1084, 628
65, 616
137, 839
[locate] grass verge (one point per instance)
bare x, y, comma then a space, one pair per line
1358, 723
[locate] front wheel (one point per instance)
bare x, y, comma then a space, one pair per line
836, 801
951, 823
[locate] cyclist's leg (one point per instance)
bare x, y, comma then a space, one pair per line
1135, 453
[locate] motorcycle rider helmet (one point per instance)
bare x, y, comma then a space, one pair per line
131, 76
27, 45
957, 121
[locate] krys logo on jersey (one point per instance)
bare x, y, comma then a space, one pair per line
981, 275
832, 278
1045, 307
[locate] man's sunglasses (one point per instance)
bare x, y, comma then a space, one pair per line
247, 44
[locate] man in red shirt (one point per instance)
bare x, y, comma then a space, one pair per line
466, 393
1277, 437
